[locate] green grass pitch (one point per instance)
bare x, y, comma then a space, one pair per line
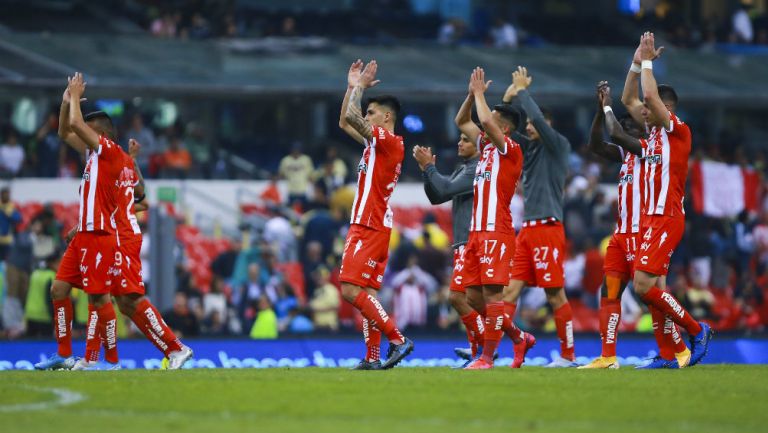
709, 398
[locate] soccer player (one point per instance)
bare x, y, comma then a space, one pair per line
90, 259
491, 241
459, 188
366, 249
622, 249
538, 259
665, 171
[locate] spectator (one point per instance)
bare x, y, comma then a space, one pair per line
573, 269
11, 155
38, 309
265, 325
50, 153
215, 306
452, 32
278, 233
181, 319
297, 169
333, 172
325, 301
199, 28
9, 218
165, 25
271, 194
313, 260
288, 27
177, 160
741, 25
199, 149
503, 34
145, 136
412, 287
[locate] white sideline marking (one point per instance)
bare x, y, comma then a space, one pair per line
63, 397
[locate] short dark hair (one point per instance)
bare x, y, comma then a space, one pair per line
388, 101
667, 94
509, 113
103, 121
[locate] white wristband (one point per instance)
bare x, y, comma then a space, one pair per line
607, 109
647, 64
634, 68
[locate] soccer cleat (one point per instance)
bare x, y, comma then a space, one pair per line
479, 364
366, 365
56, 362
466, 353
561, 362
700, 344
396, 353
659, 363
522, 348
83, 364
683, 358
609, 362
177, 359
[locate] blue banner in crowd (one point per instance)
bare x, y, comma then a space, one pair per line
343, 353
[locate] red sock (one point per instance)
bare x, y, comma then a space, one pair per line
610, 317
564, 326
92, 339
62, 319
475, 330
494, 322
672, 335
107, 328
151, 324
373, 311
372, 337
512, 331
667, 303
665, 349
510, 308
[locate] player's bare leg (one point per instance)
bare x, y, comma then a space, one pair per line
371, 309
150, 322
610, 318
699, 333
62, 321
564, 325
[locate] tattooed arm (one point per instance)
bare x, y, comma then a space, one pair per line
354, 115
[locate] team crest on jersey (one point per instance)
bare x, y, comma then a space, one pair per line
362, 168
87, 176
627, 178
653, 159
483, 175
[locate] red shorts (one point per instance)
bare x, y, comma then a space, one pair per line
129, 261
620, 254
366, 252
89, 263
658, 238
539, 254
459, 270
487, 257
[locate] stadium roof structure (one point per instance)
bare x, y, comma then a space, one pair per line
315, 66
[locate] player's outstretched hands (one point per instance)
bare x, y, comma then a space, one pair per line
368, 76
603, 94
638, 58
477, 83
133, 148
353, 76
520, 78
76, 85
423, 156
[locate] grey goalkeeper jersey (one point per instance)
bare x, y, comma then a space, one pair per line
458, 187
545, 165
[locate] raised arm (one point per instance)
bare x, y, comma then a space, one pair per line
464, 121
440, 188
140, 195
630, 97
76, 122
521, 80
615, 131
597, 145
352, 77
648, 81
65, 132
478, 86
354, 115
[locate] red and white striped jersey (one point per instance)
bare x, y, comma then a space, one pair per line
377, 175
127, 225
98, 188
630, 194
666, 168
496, 179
